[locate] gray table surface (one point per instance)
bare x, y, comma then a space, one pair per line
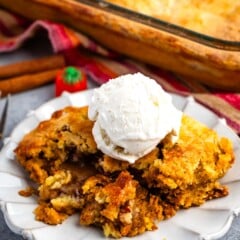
22, 103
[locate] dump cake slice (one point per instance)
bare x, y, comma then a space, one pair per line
123, 199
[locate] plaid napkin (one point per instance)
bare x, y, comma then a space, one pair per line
102, 64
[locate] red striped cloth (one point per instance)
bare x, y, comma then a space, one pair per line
102, 64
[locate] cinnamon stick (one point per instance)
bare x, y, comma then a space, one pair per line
32, 66
27, 82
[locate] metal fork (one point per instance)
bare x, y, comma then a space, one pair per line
3, 119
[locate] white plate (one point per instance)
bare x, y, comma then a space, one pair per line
210, 221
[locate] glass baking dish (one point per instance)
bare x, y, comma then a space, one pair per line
204, 58
206, 39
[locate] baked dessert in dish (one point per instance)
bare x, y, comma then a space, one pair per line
219, 19
122, 197
209, 54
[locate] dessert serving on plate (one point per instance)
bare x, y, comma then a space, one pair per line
193, 38
124, 162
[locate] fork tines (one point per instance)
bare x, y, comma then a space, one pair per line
4, 116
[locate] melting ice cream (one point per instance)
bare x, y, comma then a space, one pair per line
132, 114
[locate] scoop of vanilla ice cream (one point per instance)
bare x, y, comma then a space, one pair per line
132, 114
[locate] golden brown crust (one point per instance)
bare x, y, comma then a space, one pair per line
121, 208
217, 18
67, 136
121, 198
49, 215
187, 173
